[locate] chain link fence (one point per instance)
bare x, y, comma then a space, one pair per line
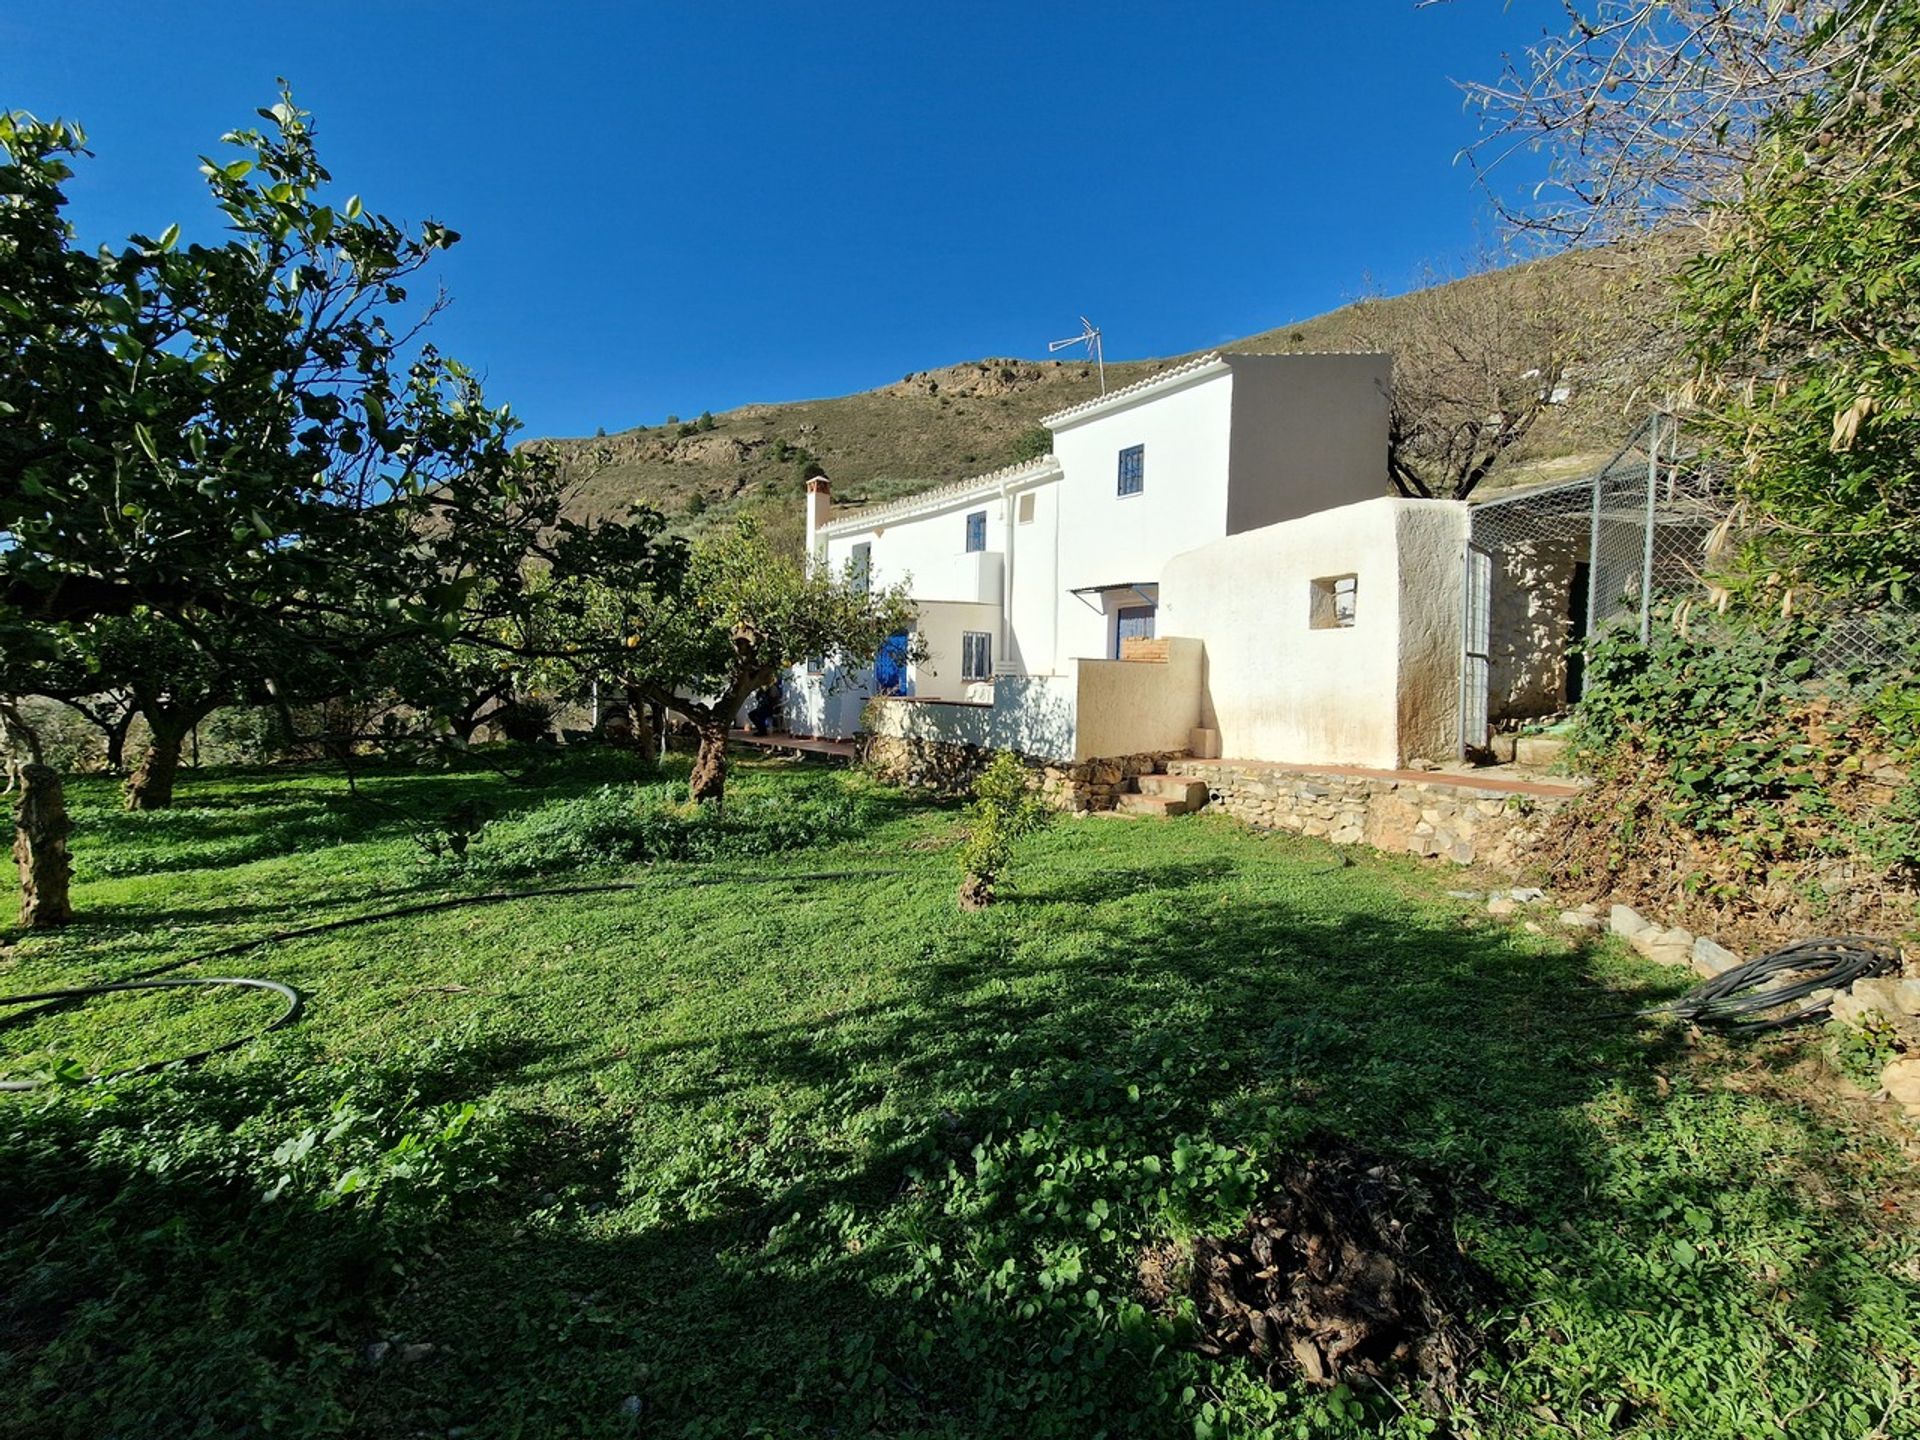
1633, 542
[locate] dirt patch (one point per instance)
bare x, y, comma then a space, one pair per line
1347, 1268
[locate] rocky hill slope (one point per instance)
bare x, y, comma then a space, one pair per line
931, 427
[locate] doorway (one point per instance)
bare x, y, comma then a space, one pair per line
890, 676
1577, 629
1131, 622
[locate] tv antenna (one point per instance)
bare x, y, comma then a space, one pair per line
1089, 336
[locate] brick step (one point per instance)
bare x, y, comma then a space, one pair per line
1160, 805
1174, 787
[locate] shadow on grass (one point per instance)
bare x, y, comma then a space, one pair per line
917, 1216
227, 817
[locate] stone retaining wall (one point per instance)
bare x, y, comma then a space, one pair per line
950, 768
1462, 823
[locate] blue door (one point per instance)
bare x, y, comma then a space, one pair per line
890, 667
1135, 622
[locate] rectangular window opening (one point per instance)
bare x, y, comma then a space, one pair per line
1334, 602
1133, 470
862, 566
976, 531
976, 655
1026, 508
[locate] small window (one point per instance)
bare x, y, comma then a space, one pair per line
816, 666
976, 655
1133, 469
862, 566
1026, 508
976, 531
1333, 603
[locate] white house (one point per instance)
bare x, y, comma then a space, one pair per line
1209, 560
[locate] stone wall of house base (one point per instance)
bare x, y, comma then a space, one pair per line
950, 768
1461, 823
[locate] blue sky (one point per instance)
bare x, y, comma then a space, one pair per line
674, 208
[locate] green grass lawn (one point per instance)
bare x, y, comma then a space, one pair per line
738, 1152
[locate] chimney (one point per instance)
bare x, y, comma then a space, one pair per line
819, 512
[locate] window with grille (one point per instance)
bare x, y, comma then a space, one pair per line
862, 566
976, 655
1133, 469
976, 531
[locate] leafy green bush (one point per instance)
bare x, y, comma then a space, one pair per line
1732, 734
523, 719
1004, 809
1714, 715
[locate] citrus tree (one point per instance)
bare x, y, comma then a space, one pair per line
246, 445
699, 636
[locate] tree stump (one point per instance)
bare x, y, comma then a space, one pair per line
40, 829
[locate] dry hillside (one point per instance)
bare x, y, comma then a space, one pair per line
935, 426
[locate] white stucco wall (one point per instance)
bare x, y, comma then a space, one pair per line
1034, 715
940, 626
1033, 584
1107, 538
930, 548
1375, 693
1128, 707
822, 705
1433, 594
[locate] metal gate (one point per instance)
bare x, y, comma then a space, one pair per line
1475, 672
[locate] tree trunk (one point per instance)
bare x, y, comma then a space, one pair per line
976, 892
117, 743
643, 720
709, 778
40, 846
151, 786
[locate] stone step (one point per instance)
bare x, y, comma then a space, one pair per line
1174, 787
1161, 805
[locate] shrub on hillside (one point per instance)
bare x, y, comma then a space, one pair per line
1033, 442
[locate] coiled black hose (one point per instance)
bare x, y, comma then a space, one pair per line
1824, 963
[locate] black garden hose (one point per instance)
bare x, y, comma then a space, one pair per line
51, 1000
1805, 966
286, 1017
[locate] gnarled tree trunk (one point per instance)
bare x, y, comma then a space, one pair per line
709, 778
150, 787
40, 829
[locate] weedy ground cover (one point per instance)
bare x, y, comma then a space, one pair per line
776, 1155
